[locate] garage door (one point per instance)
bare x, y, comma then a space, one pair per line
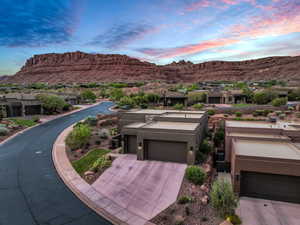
166, 151
270, 186
131, 144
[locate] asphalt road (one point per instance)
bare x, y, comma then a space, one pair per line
31, 192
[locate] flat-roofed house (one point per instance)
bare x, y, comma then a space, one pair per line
264, 159
163, 135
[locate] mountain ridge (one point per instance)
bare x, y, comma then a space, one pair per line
80, 67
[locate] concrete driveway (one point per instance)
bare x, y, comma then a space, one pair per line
265, 212
144, 188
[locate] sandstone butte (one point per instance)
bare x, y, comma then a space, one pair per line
79, 67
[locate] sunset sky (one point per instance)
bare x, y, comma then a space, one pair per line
159, 31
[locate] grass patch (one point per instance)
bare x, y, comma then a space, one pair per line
23, 122
242, 105
85, 163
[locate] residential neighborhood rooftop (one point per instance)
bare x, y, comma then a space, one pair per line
165, 125
183, 115
257, 135
268, 149
262, 124
171, 125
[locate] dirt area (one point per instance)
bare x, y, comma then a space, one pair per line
194, 212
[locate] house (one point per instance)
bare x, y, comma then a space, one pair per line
264, 159
171, 98
163, 135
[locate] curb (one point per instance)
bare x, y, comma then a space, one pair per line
73, 180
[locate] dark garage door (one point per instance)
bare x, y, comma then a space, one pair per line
270, 186
131, 144
166, 151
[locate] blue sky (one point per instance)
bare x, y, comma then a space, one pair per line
158, 31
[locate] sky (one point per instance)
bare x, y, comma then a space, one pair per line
158, 31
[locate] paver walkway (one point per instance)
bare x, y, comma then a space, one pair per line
143, 188
255, 211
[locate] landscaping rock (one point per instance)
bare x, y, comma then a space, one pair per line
204, 200
89, 175
226, 222
204, 188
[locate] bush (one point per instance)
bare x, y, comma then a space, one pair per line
200, 157
195, 174
298, 115
234, 219
104, 133
184, 200
36, 119
223, 198
211, 112
88, 95
238, 114
79, 136
219, 136
198, 106
205, 147
178, 106
23, 122
51, 103
100, 163
279, 102
66, 107
264, 97
3, 131
195, 97
91, 120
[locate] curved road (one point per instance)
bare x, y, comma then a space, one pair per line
31, 192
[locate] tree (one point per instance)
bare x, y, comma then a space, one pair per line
264, 97
79, 136
153, 98
116, 94
223, 199
294, 95
88, 95
279, 102
219, 136
196, 97
52, 103
126, 101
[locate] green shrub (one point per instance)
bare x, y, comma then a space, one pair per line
51, 103
3, 131
91, 120
279, 102
238, 114
223, 199
219, 136
211, 112
198, 106
265, 96
200, 157
101, 163
178, 106
36, 119
205, 147
234, 219
79, 136
184, 200
66, 107
298, 115
195, 174
23, 122
88, 95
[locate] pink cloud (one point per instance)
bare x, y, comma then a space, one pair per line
283, 18
188, 49
199, 4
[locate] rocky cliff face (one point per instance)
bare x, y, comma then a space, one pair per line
79, 67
